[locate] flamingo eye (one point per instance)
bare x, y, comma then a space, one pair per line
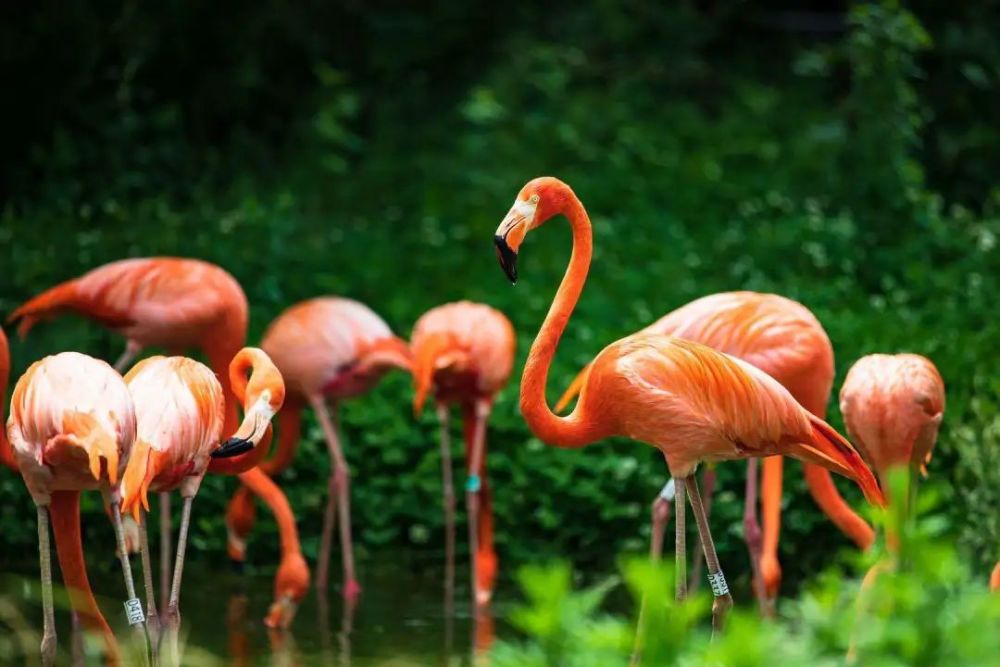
534, 198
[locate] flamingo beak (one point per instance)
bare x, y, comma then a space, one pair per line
507, 258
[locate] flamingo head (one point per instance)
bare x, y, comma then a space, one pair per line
538, 200
262, 394
290, 586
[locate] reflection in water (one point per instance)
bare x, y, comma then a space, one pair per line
401, 619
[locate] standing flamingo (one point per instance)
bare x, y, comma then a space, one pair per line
327, 347
785, 340
892, 406
168, 302
72, 427
464, 352
179, 409
692, 403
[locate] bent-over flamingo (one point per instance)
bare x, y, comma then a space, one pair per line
692, 403
179, 409
72, 426
463, 352
785, 340
326, 348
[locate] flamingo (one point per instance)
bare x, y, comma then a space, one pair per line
692, 403
464, 353
71, 427
995, 578
6, 453
170, 302
326, 347
785, 340
179, 409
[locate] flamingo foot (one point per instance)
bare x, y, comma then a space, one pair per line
352, 590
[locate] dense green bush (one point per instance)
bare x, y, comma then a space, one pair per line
930, 611
704, 170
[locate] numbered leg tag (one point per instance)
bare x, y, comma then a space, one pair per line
718, 583
472, 485
133, 611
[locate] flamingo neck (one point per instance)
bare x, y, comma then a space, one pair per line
220, 352
6, 452
289, 432
572, 430
64, 511
264, 488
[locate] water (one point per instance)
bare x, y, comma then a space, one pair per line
400, 619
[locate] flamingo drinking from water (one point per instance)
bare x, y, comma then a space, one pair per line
71, 428
689, 401
785, 340
463, 353
326, 348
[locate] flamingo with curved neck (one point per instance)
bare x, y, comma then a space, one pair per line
692, 403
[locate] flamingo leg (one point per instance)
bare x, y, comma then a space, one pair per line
341, 481
139, 626
326, 537
48, 648
752, 533
165, 548
472, 498
723, 601
707, 493
660, 517
76, 640
152, 618
128, 355
173, 612
680, 542
448, 501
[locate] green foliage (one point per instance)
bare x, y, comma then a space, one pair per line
706, 163
930, 611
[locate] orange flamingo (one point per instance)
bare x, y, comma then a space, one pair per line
892, 407
72, 427
326, 348
464, 352
785, 340
995, 578
179, 409
692, 403
168, 302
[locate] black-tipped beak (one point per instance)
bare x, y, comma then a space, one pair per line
507, 258
232, 447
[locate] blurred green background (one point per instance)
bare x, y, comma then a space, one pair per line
844, 157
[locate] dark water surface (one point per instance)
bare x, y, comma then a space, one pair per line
400, 619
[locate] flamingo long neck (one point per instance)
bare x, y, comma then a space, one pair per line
264, 488
65, 515
572, 430
220, 352
289, 432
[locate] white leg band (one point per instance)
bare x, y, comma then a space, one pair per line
133, 611
669, 491
718, 583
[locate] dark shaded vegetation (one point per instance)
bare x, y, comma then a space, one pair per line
846, 161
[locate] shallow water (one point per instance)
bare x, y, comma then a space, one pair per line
400, 618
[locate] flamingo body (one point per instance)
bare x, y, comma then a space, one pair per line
179, 407
332, 346
892, 406
71, 425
